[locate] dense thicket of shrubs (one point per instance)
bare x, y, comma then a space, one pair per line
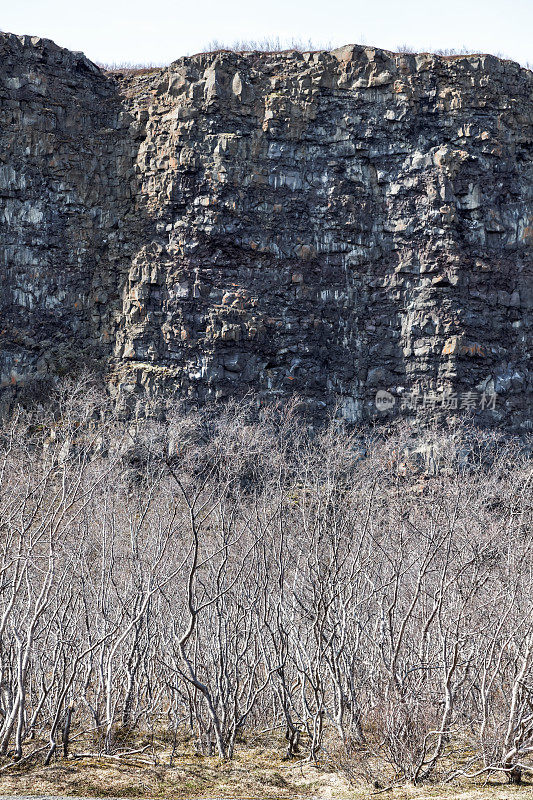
371, 595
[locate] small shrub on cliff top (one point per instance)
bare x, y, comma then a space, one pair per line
128, 68
268, 45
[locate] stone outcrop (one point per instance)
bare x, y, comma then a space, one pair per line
331, 224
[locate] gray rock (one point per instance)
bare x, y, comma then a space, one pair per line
322, 224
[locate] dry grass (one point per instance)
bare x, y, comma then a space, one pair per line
257, 771
253, 773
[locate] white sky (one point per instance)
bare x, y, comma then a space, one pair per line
159, 31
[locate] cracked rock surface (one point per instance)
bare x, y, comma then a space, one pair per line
325, 224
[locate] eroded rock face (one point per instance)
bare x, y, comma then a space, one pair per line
325, 224
65, 171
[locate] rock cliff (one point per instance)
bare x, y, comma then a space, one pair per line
331, 224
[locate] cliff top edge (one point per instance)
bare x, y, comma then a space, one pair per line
343, 55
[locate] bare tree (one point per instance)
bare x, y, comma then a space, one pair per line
368, 595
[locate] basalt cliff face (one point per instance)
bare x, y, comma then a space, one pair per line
330, 225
